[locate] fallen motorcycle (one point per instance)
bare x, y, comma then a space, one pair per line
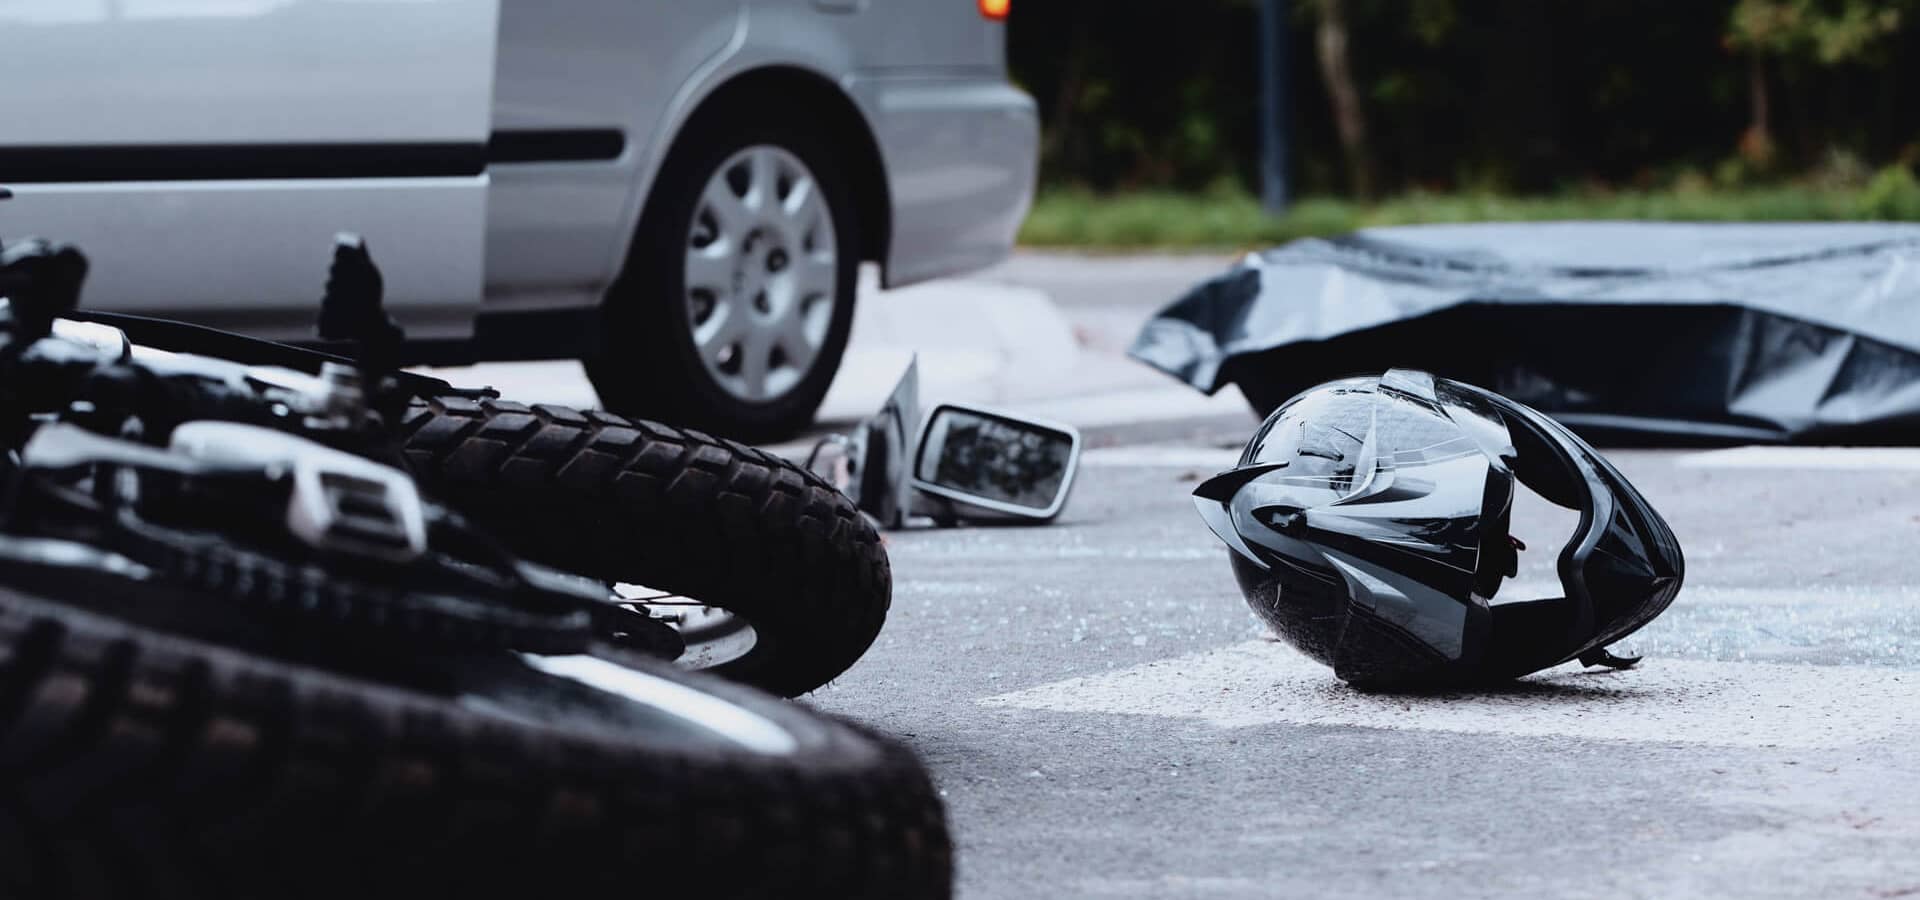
236, 661
768, 574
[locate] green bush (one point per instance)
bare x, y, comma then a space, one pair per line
1893, 194
1231, 219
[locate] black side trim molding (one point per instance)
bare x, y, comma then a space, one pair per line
222, 162
210, 162
556, 145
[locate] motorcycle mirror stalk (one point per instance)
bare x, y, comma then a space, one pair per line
353, 309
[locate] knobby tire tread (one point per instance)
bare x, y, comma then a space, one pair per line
137, 763
678, 510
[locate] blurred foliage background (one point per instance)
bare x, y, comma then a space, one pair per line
1413, 110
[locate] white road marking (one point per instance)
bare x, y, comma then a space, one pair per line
1818, 458
1813, 458
1814, 597
1206, 459
1136, 405
1662, 701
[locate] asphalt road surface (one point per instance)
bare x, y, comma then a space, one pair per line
1105, 718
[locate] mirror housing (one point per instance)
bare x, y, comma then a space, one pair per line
959, 463
975, 463
880, 450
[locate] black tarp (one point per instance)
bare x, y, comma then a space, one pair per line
1648, 333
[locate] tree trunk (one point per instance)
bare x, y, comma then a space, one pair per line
1057, 139
1756, 143
1330, 40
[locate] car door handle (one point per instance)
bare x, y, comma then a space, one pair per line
840, 6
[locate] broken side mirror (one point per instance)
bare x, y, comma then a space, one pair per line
974, 463
959, 463
879, 451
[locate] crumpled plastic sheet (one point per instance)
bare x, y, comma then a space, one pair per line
1629, 332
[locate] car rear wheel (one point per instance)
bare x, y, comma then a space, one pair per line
737, 298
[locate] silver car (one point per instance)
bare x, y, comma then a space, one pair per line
678, 193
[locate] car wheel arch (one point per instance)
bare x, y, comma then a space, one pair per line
790, 87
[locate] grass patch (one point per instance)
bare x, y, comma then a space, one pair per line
1224, 219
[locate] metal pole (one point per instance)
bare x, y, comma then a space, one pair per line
1273, 106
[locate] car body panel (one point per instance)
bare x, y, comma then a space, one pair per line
958, 142
231, 269
921, 35
927, 77
88, 72
558, 231
962, 153
264, 87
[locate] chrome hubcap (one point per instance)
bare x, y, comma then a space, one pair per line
761, 273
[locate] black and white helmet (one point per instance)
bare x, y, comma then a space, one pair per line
1368, 520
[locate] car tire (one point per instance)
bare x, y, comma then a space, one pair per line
724, 295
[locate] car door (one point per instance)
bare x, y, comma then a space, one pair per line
583, 104
204, 152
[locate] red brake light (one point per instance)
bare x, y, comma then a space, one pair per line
995, 9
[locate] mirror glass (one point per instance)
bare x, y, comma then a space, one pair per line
998, 459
